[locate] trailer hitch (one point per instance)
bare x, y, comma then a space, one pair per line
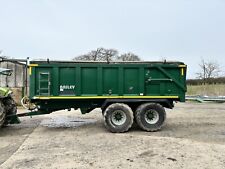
14, 119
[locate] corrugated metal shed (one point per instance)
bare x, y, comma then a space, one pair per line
17, 79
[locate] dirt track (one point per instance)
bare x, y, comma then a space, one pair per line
193, 137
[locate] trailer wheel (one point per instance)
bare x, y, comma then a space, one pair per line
150, 116
2, 114
118, 117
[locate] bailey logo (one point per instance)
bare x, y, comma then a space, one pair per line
66, 87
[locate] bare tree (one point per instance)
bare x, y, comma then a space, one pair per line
108, 54
128, 57
101, 54
3, 57
208, 69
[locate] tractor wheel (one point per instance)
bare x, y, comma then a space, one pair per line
2, 114
10, 108
118, 117
150, 116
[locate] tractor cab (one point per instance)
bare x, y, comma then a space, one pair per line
4, 92
8, 107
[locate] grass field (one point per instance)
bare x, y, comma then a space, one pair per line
209, 90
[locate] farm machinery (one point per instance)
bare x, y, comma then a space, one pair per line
8, 107
126, 92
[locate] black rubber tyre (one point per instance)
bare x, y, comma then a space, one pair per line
150, 116
2, 114
118, 117
10, 108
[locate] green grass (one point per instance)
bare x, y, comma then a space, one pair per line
209, 90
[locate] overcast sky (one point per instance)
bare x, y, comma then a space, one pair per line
184, 30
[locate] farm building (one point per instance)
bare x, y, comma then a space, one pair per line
17, 81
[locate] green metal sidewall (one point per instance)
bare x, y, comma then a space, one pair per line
108, 79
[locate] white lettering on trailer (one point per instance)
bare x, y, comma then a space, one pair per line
66, 87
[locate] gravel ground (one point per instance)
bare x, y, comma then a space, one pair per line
193, 137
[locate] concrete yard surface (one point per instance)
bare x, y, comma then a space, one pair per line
193, 137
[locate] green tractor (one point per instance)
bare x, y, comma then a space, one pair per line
7, 104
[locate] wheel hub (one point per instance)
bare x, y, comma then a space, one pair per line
118, 117
151, 116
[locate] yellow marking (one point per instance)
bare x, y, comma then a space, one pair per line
182, 66
32, 65
30, 70
182, 71
105, 97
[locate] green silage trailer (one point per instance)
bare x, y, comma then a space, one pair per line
125, 91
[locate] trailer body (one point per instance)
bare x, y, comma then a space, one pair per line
63, 85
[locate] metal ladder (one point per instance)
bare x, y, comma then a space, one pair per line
44, 83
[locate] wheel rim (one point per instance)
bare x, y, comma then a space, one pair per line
151, 116
118, 117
